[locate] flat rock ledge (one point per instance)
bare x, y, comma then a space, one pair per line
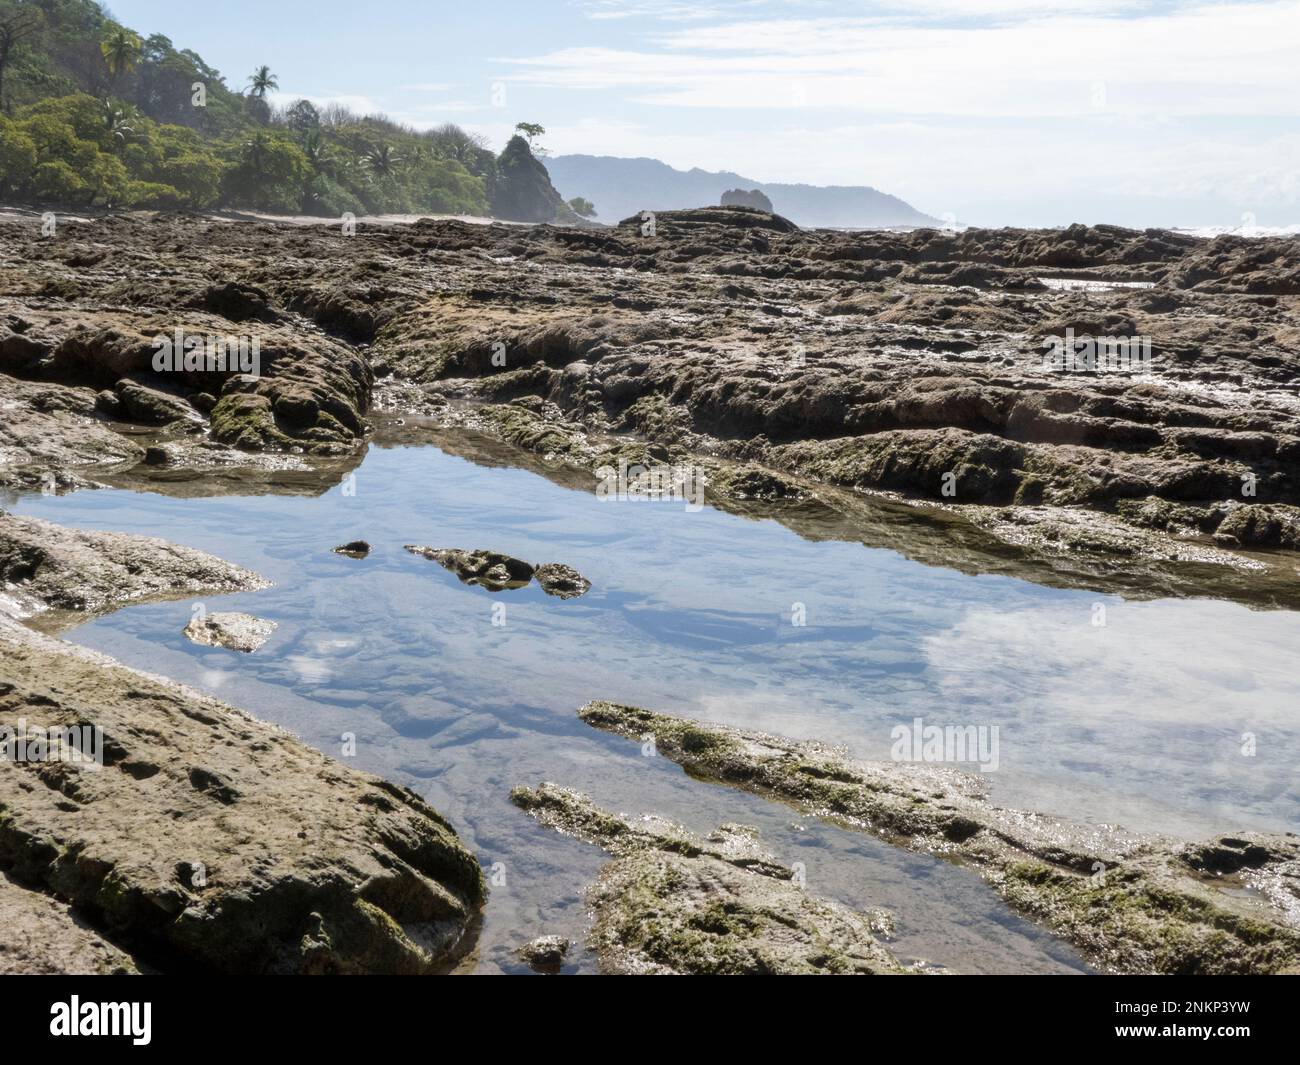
47, 566
211, 841
235, 632
1131, 903
671, 903
496, 572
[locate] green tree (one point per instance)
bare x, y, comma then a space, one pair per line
121, 49
381, 161
268, 174
17, 158
262, 82
18, 21
531, 131
583, 208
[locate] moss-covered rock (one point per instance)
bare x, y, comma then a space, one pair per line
1132, 903
674, 903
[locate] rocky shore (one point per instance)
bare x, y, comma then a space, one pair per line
1133, 903
844, 372
887, 388
200, 839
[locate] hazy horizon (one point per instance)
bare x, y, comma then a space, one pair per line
1147, 113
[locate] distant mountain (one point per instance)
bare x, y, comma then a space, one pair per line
621, 187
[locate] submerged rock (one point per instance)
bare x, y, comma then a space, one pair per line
545, 954
1133, 903
235, 632
672, 903
353, 549
497, 572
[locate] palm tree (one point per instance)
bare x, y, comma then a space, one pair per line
120, 49
115, 125
381, 161
262, 82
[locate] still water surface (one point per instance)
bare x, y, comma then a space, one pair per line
1138, 721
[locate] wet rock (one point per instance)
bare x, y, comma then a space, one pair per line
487, 569
560, 580
151, 406
50, 432
545, 954
497, 572
46, 565
1133, 903
236, 301
353, 549
235, 632
673, 903
108, 403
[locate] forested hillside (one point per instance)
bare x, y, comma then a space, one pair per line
94, 113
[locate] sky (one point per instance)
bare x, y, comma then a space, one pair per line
992, 112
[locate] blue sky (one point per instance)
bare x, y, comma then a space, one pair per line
1000, 112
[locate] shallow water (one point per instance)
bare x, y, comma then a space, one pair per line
1139, 720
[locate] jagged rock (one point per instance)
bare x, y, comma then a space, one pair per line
560, 580
523, 191
545, 954
672, 903
909, 364
149, 405
752, 198
235, 632
497, 572
487, 569
1133, 903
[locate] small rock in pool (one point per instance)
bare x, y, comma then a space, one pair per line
236, 632
488, 569
353, 549
545, 954
560, 580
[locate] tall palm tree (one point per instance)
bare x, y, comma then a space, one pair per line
120, 49
262, 82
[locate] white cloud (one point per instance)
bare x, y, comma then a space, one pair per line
1212, 59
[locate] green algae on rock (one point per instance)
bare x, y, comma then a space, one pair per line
1133, 903
673, 903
